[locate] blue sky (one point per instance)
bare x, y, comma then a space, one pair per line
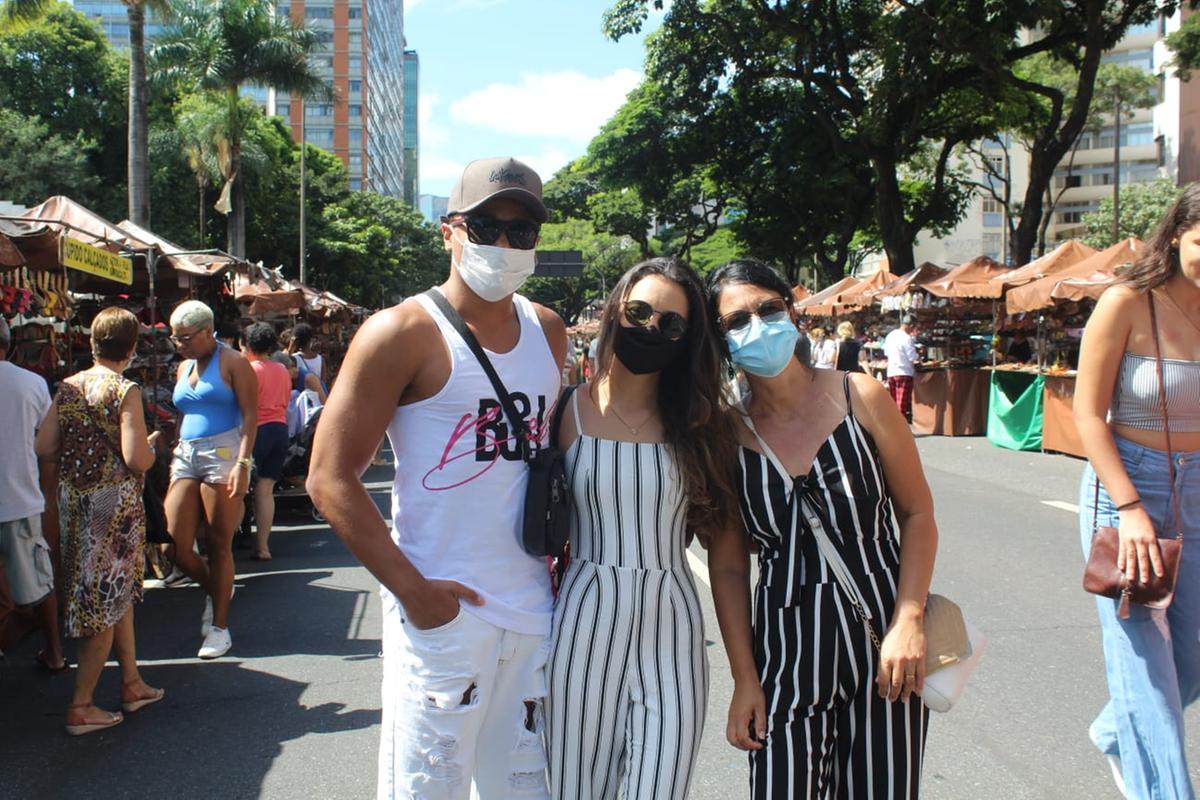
530, 78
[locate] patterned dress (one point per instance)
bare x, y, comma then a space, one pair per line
102, 518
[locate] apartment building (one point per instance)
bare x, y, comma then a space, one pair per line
361, 53
1163, 141
412, 72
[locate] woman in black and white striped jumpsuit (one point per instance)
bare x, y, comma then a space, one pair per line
824, 714
628, 674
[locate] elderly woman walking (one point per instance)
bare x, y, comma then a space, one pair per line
96, 432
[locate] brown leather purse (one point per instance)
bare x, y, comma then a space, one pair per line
1101, 575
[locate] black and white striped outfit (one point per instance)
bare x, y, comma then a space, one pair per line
628, 671
829, 734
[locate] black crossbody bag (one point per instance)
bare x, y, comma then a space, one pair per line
545, 525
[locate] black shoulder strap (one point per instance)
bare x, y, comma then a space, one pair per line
559, 408
510, 410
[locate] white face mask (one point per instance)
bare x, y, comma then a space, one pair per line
491, 272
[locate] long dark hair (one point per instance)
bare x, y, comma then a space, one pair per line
1160, 260
755, 273
696, 424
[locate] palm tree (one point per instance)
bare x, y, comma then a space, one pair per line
139, 124
222, 46
139, 148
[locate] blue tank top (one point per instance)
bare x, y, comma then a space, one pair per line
210, 407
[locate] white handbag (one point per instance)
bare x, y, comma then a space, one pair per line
954, 645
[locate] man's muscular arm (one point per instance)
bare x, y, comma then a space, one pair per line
382, 362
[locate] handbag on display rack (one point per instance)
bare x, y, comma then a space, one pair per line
953, 646
1101, 575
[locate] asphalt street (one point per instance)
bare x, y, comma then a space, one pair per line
293, 710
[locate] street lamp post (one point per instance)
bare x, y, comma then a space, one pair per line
303, 181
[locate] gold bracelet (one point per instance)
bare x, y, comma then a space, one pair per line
245, 462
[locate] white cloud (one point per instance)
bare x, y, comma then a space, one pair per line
431, 133
435, 169
566, 105
547, 162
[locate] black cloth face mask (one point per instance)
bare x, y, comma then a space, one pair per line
645, 350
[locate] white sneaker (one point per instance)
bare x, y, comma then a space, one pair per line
216, 644
177, 578
206, 617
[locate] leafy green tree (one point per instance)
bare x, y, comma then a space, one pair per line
35, 163
222, 46
606, 257
59, 68
1142, 206
897, 87
139, 114
1185, 44
374, 249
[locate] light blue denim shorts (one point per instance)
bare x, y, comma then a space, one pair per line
209, 459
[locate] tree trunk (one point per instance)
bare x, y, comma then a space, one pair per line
894, 230
200, 187
237, 198
139, 149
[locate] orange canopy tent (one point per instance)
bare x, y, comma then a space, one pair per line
860, 295
972, 279
800, 292
1067, 254
1089, 278
824, 302
926, 273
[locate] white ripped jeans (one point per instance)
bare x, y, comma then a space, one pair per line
462, 710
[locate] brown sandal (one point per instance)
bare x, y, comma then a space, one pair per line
141, 702
114, 718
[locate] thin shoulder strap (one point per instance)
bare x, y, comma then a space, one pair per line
801, 505
510, 410
846, 389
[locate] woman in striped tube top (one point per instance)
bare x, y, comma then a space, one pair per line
1153, 656
650, 462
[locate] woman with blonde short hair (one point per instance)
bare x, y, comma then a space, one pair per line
848, 351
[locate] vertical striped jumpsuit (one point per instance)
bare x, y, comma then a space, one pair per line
829, 734
628, 671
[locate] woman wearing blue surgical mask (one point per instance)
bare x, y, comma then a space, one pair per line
820, 707
650, 454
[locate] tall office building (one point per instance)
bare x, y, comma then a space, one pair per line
412, 70
362, 55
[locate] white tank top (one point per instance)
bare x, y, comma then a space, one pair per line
459, 492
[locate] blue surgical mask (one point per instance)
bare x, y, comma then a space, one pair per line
763, 348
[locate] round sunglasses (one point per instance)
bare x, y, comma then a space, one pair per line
639, 313
522, 234
767, 311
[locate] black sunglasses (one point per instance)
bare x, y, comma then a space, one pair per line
522, 234
639, 313
767, 311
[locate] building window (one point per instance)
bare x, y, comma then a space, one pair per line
356, 184
321, 137
283, 109
356, 138
318, 12
355, 65
324, 37
356, 86
318, 110
355, 109
355, 12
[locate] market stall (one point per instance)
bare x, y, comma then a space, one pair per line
956, 316
824, 302
1063, 301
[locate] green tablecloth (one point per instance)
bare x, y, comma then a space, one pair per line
1015, 410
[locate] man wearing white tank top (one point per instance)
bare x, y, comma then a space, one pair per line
466, 612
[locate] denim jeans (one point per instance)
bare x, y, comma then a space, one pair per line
1152, 659
462, 710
